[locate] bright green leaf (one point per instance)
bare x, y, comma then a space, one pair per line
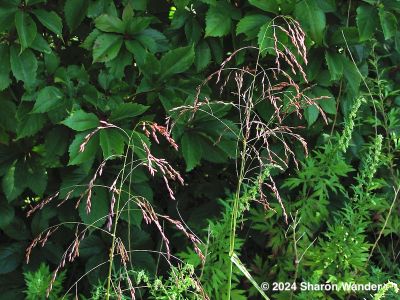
250, 25
29, 124
106, 47
218, 24
312, 18
111, 142
118, 64
7, 16
41, 45
335, 65
138, 51
99, 208
48, 98
75, 12
127, 111
328, 105
138, 24
266, 5
191, 150
311, 113
388, 23
50, 20
81, 121
367, 21
351, 74
23, 66
265, 39
10, 188
177, 61
109, 23
78, 157
26, 29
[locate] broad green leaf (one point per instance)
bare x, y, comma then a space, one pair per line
218, 24
138, 24
98, 7
90, 39
81, 121
153, 40
388, 23
78, 157
311, 113
7, 16
10, 188
203, 56
48, 98
109, 23
367, 21
131, 213
11, 255
193, 31
269, 5
23, 66
51, 61
106, 47
312, 18
99, 208
75, 11
127, 13
5, 80
250, 25
150, 66
127, 111
41, 45
214, 153
177, 61
137, 50
265, 39
29, 124
191, 149
29, 173
335, 65
56, 141
111, 142
6, 214
328, 105
26, 29
74, 180
117, 65
50, 20
345, 36
351, 74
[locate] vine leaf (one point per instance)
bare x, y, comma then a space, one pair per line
106, 47
81, 121
312, 18
26, 29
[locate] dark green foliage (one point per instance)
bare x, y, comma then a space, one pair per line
68, 68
